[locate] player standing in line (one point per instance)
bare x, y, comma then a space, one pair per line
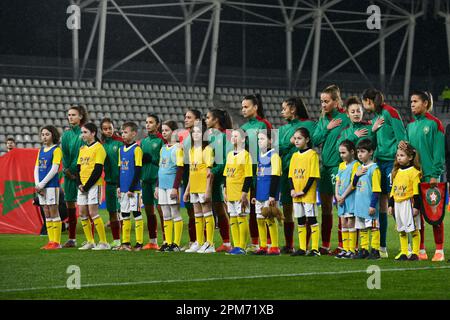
345, 197
170, 174
239, 174
151, 147
91, 159
367, 181
404, 201
426, 134
357, 129
191, 117
295, 113
329, 127
129, 191
112, 143
253, 112
218, 121
47, 184
389, 131
71, 143
303, 175
267, 192
198, 189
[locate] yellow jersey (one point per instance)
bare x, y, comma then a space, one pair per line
57, 155
304, 165
237, 168
406, 184
199, 162
88, 157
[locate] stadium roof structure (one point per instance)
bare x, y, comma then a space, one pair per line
336, 16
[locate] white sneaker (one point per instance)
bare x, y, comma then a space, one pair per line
252, 247
87, 246
194, 247
102, 246
203, 248
383, 253
210, 249
186, 247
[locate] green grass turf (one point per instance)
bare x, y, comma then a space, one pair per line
39, 274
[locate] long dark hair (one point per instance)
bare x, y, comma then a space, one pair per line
299, 105
197, 114
203, 128
92, 128
107, 120
54, 132
83, 113
223, 117
376, 96
256, 99
306, 134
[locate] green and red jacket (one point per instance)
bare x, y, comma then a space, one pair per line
112, 146
389, 134
285, 133
71, 143
151, 148
218, 141
426, 134
328, 138
349, 133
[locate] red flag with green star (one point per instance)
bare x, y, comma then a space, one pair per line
433, 202
18, 215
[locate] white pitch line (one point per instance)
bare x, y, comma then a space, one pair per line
116, 284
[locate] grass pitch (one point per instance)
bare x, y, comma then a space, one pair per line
29, 273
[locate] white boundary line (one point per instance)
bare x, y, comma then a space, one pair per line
116, 284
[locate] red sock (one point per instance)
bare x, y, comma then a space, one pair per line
152, 225
289, 234
308, 234
72, 214
224, 228
340, 234
115, 229
253, 226
161, 219
92, 227
438, 232
191, 228
422, 233
327, 225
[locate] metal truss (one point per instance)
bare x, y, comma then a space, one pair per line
317, 16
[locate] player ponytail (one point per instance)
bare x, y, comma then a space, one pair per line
425, 96
335, 93
82, 112
256, 100
223, 117
299, 105
376, 96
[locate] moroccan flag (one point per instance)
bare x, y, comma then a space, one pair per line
17, 213
433, 202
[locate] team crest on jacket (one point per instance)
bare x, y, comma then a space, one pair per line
426, 129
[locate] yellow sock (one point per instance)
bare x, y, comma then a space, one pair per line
168, 231
126, 231
262, 232
364, 236
273, 230
345, 239
199, 227
86, 223
243, 231
403, 243
375, 242
100, 227
235, 230
315, 237
416, 242
210, 226
352, 240
301, 230
49, 226
57, 226
139, 230
178, 228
